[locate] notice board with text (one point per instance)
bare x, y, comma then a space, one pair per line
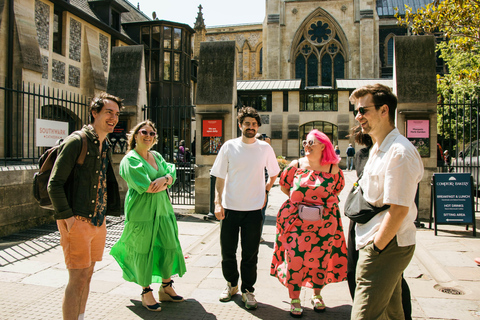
453, 199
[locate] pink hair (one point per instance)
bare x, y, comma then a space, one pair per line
328, 156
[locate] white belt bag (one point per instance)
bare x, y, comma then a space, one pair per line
310, 213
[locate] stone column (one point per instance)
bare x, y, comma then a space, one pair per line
416, 88
216, 100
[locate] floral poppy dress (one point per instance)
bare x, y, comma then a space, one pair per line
310, 254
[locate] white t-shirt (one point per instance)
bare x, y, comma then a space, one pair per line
243, 166
390, 176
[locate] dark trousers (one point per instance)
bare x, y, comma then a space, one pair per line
249, 225
352, 258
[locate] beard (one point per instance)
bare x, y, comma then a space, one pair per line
249, 133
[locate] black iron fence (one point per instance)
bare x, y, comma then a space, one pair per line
175, 131
458, 136
22, 105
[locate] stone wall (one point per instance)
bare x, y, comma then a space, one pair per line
18, 208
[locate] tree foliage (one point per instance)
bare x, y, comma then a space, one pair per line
458, 21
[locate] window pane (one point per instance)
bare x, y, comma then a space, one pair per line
155, 65
300, 68
312, 73
390, 52
146, 36
166, 65
156, 37
176, 67
339, 67
177, 40
167, 37
326, 70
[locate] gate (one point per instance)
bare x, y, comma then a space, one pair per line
175, 127
459, 133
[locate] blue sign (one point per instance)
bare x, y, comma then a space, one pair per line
453, 198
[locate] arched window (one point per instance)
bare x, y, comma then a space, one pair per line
319, 55
390, 52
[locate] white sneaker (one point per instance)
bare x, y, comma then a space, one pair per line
249, 299
229, 291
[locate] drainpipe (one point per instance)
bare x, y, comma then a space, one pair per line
9, 82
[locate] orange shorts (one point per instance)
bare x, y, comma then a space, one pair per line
83, 244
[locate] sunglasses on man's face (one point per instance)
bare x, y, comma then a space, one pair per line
146, 133
362, 110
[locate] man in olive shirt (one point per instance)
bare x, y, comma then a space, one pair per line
81, 205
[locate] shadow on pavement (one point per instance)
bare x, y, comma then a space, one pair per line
190, 309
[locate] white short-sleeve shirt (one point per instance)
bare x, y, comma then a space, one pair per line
391, 176
243, 166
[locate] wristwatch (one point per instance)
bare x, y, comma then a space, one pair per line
267, 191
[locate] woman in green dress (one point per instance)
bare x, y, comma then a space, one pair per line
149, 250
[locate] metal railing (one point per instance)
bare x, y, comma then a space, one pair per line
174, 124
23, 103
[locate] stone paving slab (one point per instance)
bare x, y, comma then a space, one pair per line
33, 274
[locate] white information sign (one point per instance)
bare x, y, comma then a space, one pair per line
48, 132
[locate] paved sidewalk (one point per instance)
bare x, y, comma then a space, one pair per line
33, 276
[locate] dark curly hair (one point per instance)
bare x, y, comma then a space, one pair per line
248, 112
99, 101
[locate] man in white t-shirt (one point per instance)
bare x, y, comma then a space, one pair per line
240, 195
386, 243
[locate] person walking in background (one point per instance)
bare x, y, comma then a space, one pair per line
260, 137
361, 158
337, 151
350, 155
80, 211
310, 248
386, 243
148, 250
448, 161
240, 194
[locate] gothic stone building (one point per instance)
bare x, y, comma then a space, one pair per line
299, 66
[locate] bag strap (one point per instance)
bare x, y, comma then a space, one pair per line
83, 153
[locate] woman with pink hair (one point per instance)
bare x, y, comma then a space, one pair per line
310, 248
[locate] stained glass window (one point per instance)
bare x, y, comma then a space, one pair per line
312, 71
319, 31
326, 70
300, 68
339, 67
390, 52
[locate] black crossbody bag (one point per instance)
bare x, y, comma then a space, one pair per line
357, 208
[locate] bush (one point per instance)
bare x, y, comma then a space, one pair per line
282, 163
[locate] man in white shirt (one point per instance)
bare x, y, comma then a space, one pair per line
240, 195
386, 243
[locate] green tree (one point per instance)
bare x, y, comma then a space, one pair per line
458, 21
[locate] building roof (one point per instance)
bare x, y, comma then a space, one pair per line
386, 8
269, 85
356, 83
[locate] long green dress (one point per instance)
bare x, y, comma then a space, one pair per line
148, 249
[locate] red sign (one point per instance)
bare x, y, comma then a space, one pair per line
212, 128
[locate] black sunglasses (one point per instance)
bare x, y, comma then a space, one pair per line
145, 132
362, 109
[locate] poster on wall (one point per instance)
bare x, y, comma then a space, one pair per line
212, 136
418, 132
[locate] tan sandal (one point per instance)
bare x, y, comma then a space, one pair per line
318, 304
294, 311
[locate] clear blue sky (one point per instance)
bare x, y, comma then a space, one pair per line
215, 12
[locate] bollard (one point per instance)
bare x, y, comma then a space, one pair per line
211, 213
